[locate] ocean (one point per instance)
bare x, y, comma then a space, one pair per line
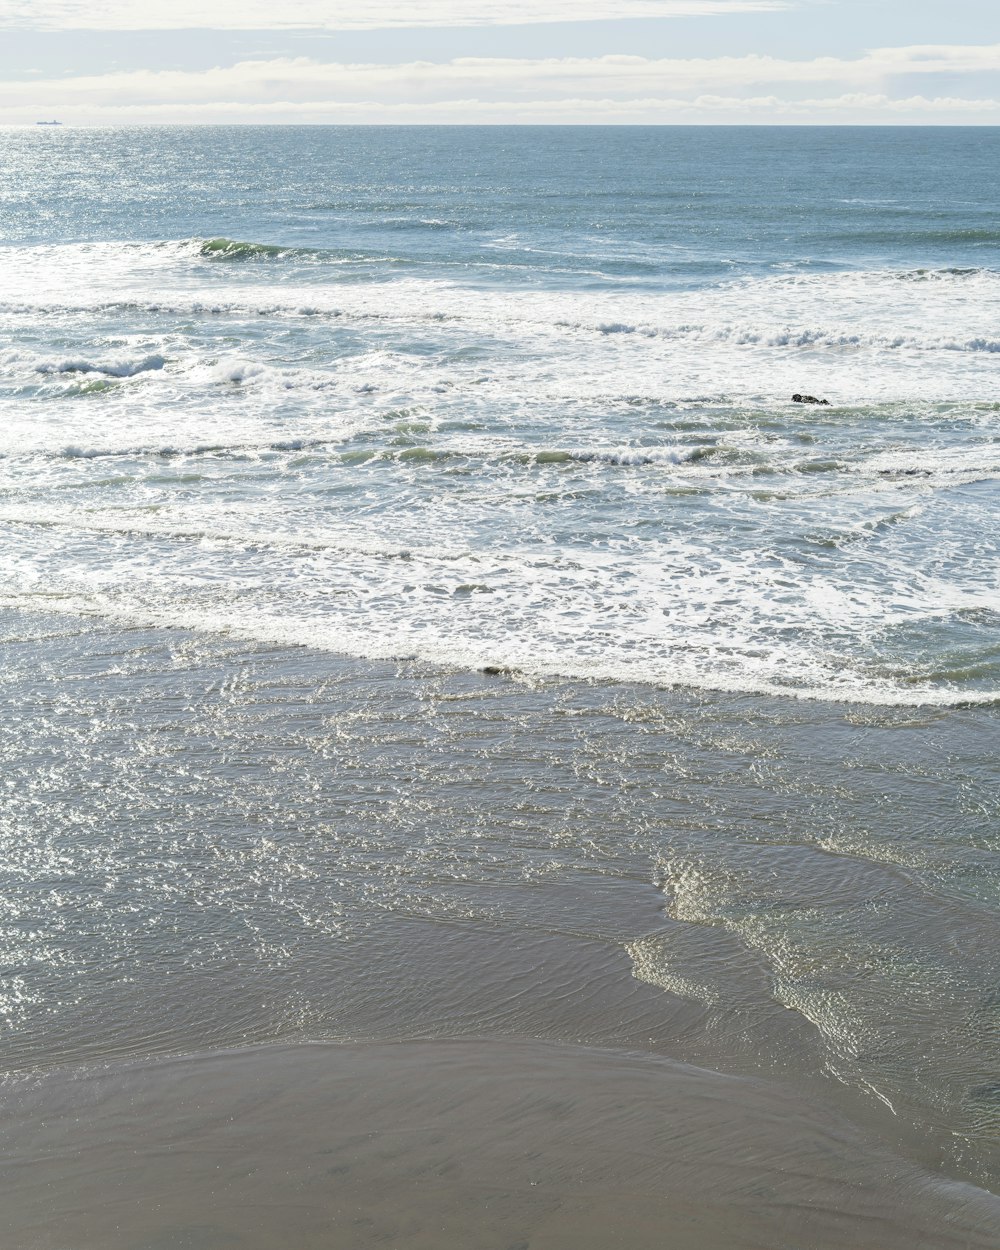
448, 682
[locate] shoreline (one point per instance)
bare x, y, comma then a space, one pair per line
928, 699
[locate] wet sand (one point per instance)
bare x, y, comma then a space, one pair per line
460, 1145
460, 963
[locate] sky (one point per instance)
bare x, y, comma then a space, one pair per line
784, 62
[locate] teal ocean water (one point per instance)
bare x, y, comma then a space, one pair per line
305, 428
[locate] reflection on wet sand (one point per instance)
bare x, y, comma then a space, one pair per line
455, 1146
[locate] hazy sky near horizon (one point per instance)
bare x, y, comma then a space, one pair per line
590, 61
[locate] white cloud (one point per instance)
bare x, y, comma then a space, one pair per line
345, 14
518, 89
854, 108
305, 80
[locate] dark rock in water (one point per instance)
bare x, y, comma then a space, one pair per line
498, 670
809, 399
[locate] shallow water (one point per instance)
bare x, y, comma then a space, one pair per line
216, 844
305, 428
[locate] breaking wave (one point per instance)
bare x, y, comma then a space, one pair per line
234, 249
111, 369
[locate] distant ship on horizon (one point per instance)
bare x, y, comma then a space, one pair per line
48, 123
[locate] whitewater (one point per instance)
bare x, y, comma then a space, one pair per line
561, 441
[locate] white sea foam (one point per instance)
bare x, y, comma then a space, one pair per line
855, 338
610, 484
111, 369
405, 303
628, 455
677, 614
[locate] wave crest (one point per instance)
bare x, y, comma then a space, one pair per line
235, 249
111, 369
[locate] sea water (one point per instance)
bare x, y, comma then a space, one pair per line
303, 428
516, 396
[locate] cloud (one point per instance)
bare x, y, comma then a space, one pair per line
853, 108
304, 80
346, 14
579, 89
